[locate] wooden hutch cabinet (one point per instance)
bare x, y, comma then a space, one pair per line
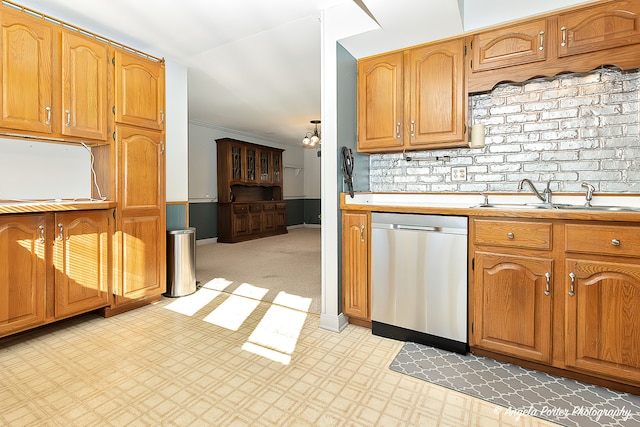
250, 203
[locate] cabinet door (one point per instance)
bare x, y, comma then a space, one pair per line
598, 28
277, 167
22, 272
80, 258
142, 216
26, 100
241, 224
380, 102
355, 265
602, 318
281, 216
437, 114
252, 165
265, 166
520, 44
512, 312
139, 91
84, 87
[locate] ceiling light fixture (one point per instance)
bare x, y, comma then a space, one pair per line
312, 139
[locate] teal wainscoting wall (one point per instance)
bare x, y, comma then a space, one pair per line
176, 216
204, 216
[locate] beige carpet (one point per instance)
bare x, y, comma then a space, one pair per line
285, 263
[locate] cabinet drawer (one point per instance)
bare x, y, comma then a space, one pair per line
269, 206
515, 234
240, 209
280, 206
603, 239
255, 207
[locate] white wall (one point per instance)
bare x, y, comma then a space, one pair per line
312, 174
177, 132
203, 163
39, 170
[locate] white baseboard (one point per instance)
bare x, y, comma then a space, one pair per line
333, 323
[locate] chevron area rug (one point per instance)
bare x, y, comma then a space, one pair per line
521, 391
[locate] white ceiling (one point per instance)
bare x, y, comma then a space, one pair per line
254, 65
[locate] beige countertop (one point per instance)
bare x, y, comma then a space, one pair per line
53, 205
468, 204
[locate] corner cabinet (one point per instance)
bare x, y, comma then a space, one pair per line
415, 99
356, 237
250, 203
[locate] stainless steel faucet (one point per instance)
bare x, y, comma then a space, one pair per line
546, 193
589, 195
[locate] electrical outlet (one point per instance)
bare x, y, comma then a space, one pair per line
459, 174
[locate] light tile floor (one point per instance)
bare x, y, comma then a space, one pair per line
158, 367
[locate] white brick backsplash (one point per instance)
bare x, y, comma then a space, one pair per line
567, 129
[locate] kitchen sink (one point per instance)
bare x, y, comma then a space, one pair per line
507, 206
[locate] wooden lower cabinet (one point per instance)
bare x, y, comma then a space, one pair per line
240, 221
74, 245
356, 235
22, 272
514, 307
572, 309
603, 318
81, 261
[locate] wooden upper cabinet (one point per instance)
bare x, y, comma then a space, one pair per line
600, 27
84, 87
139, 91
380, 102
26, 73
520, 44
437, 94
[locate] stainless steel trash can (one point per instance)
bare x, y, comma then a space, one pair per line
181, 262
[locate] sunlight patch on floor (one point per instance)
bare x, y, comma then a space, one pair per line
217, 284
237, 308
191, 304
292, 301
277, 334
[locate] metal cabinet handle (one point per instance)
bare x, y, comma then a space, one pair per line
362, 233
413, 128
547, 290
41, 239
541, 47
573, 284
564, 36
398, 130
161, 116
510, 235
68, 118
60, 232
48, 122
615, 242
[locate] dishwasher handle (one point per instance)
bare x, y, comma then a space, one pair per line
416, 227
413, 227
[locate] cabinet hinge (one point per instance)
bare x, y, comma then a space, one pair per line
113, 60
473, 264
472, 324
471, 64
471, 45
465, 50
465, 128
114, 214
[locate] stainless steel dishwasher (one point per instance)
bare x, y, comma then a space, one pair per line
419, 279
